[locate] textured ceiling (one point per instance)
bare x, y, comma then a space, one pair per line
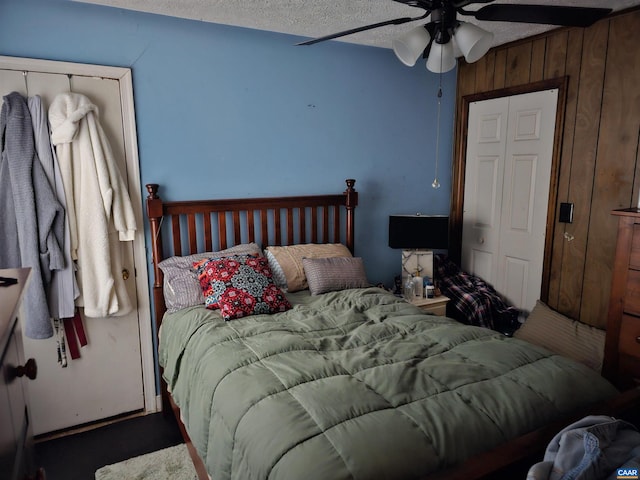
315, 18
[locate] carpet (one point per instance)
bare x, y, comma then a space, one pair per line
173, 463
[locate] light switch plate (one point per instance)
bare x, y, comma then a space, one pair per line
566, 213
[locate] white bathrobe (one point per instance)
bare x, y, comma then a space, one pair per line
98, 204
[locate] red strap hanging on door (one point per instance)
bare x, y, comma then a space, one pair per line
79, 328
74, 331
72, 341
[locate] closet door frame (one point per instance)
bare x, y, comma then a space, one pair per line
123, 77
459, 167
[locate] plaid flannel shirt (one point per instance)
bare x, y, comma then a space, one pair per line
475, 301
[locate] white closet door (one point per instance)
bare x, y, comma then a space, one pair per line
109, 378
525, 198
508, 170
483, 187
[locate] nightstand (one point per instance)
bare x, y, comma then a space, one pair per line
436, 305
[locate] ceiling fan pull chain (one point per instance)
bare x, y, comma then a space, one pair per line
436, 182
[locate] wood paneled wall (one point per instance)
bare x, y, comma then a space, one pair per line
598, 168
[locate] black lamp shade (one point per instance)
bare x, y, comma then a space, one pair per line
419, 231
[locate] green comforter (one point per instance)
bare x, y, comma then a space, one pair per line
357, 384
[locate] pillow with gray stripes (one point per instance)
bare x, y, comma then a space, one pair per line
334, 273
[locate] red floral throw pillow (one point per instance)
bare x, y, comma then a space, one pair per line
240, 286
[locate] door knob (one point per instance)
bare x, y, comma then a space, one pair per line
29, 369
125, 274
481, 240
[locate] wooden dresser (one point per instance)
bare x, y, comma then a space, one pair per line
622, 347
16, 440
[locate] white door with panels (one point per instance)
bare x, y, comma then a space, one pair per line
115, 372
507, 180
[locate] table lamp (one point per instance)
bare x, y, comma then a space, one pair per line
418, 235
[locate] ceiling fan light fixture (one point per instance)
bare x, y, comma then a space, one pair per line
409, 46
441, 57
473, 41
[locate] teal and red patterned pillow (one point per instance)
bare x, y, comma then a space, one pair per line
239, 286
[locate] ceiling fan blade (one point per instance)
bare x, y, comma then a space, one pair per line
543, 14
464, 3
395, 21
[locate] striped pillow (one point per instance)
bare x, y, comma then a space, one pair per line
334, 273
552, 330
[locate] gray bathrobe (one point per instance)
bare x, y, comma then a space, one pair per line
31, 218
63, 289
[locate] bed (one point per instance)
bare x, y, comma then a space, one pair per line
345, 382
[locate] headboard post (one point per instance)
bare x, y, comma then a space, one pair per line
350, 204
154, 213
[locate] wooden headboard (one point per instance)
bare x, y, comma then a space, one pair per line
207, 225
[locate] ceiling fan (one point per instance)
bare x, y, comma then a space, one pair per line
444, 37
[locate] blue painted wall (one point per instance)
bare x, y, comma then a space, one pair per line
231, 112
